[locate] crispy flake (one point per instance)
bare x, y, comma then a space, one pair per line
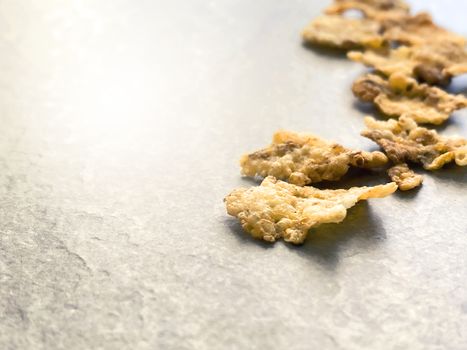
277, 209
434, 63
404, 177
404, 141
343, 33
386, 61
419, 30
302, 159
401, 95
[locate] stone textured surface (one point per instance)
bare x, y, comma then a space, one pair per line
122, 123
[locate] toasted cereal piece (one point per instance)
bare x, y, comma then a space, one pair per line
343, 33
433, 63
302, 159
386, 61
380, 10
405, 178
418, 30
438, 62
401, 95
277, 209
404, 141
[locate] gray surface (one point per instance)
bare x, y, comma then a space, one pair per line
122, 123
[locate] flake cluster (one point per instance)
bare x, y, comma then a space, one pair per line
409, 55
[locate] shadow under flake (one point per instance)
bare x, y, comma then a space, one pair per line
328, 52
409, 195
328, 244
458, 85
442, 127
450, 173
368, 109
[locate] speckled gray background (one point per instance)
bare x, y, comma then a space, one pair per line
122, 122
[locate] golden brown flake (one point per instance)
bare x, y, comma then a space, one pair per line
404, 141
419, 30
386, 61
302, 159
404, 177
434, 63
401, 95
277, 209
343, 33
437, 63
